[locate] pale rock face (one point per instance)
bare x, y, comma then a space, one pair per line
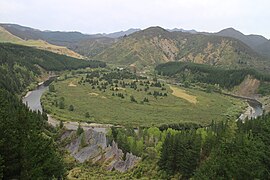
92, 146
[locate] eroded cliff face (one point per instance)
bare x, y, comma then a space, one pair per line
92, 146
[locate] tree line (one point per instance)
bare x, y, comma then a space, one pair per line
191, 72
20, 65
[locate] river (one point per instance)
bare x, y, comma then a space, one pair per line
32, 100
253, 110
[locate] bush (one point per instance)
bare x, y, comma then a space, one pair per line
71, 108
87, 115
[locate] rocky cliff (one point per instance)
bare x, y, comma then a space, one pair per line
92, 146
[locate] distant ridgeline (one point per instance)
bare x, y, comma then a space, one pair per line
19, 65
226, 78
27, 150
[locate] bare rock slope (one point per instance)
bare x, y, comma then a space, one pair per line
92, 146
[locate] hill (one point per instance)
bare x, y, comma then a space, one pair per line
257, 42
121, 33
7, 37
92, 47
155, 45
53, 37
21, 65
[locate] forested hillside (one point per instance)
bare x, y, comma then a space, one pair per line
27, 148
191, 72
20, 65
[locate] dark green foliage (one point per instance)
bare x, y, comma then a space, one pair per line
87, 115
19, 65
61, 124
132, 99
226, 78
181, 153
71, 108
145, 100
1, 168
180, 126
79, 130
27, 152
51, 88
61, 104
236, 151
264, 89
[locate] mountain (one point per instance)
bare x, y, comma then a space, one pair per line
156, 45
92, 47
7, 37
264, 48
121, 33
192, 31
251, 40
54, 37
257, 42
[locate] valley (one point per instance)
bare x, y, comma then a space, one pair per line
153, 103
111, 97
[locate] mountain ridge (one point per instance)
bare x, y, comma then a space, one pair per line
156, 45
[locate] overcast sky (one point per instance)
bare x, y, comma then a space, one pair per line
97, 16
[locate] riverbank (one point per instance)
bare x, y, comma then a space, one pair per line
72, 125
255, 107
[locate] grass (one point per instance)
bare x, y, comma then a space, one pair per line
7, 37
108, 109
182, 94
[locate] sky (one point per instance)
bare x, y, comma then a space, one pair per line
105, 16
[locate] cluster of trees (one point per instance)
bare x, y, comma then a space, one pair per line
121, 75
121, 95
26, 150
224, 150
264, 88
116, 79
226, 78
19, 65
228, 150
181, 153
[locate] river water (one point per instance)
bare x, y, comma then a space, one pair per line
32, 100
253, 111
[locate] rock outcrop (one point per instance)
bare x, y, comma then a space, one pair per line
92, 146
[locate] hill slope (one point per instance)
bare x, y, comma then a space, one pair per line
7, 37
53, 37
258, 43
21, 65
156, 45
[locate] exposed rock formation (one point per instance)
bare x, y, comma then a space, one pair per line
92, 146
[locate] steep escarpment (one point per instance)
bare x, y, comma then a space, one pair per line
92, 146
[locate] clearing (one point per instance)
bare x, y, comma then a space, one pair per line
183, 94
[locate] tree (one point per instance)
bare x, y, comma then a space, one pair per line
87, 115
132, 99
61, 124
26, 146
71, 108
1, 168
61, 104
51, 88
79, 130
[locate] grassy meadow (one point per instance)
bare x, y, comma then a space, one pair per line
179, 105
